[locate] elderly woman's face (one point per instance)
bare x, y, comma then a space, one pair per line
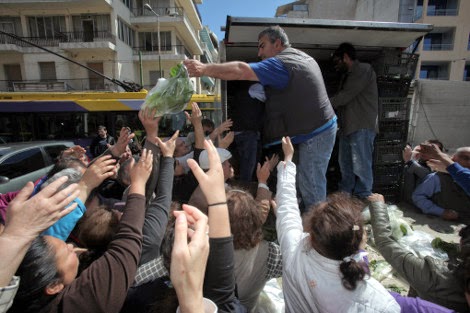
66, 259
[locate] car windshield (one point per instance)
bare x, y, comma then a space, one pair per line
4, 151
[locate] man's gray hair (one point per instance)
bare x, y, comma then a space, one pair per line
274, 33
73, 175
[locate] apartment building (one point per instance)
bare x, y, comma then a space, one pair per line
126, 40
445, 52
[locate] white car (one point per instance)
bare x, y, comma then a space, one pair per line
27, 161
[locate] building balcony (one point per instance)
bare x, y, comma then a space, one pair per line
64, 40
80, 84
40, 41
442, 12
173, 52
168, 17
161, 11
97, 40
438, 46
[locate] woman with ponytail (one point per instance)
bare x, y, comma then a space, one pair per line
324, 270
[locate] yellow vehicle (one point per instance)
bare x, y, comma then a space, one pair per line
28, 116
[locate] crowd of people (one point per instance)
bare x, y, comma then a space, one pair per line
168, 227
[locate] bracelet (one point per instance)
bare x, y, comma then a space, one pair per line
217, 203
262, 185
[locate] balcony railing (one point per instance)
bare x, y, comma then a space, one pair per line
80, 84
161, 11
164, 49
44, 42
438, 46
443, 12
94, 36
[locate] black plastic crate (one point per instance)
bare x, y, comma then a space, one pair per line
388, 175
396, 108
396, 65
391, 193
388, 152
393, 88
393, 131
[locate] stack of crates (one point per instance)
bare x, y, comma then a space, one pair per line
395, 71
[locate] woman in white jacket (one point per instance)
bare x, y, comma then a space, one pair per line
324, 270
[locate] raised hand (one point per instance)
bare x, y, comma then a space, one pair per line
226, 141
273, 161
150, 123
103, 168
287, 148
263, 172
122, 142
140, 172
196, 114
189, 259
376, 197
28, 217
213, 186
76, 151
168, 147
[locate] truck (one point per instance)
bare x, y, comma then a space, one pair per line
388, 46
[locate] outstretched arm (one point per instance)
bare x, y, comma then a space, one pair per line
27, 218
227, 71
219, 284
156, 216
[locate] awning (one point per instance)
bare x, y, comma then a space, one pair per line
319, 37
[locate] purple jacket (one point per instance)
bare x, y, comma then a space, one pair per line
418, 305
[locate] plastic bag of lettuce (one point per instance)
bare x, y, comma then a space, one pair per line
170, 96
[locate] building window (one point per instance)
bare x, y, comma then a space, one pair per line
418, 10
149, 41
46, 26
434, 71
440, 39
466, 73
125, 33
128, 3
47, 71
443, 7
153, 77
300, 7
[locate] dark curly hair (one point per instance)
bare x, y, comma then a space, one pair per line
246, 219
336, 231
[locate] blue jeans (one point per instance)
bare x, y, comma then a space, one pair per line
247, 147
355, 161
314, 155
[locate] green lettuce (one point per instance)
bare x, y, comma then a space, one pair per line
170, 96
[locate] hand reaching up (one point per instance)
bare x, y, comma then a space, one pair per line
226, 141
168, 147
213, 186
104, 167
140, 172
150, 123
287, 148
189, 259
124, 138
196, 115
28, 217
